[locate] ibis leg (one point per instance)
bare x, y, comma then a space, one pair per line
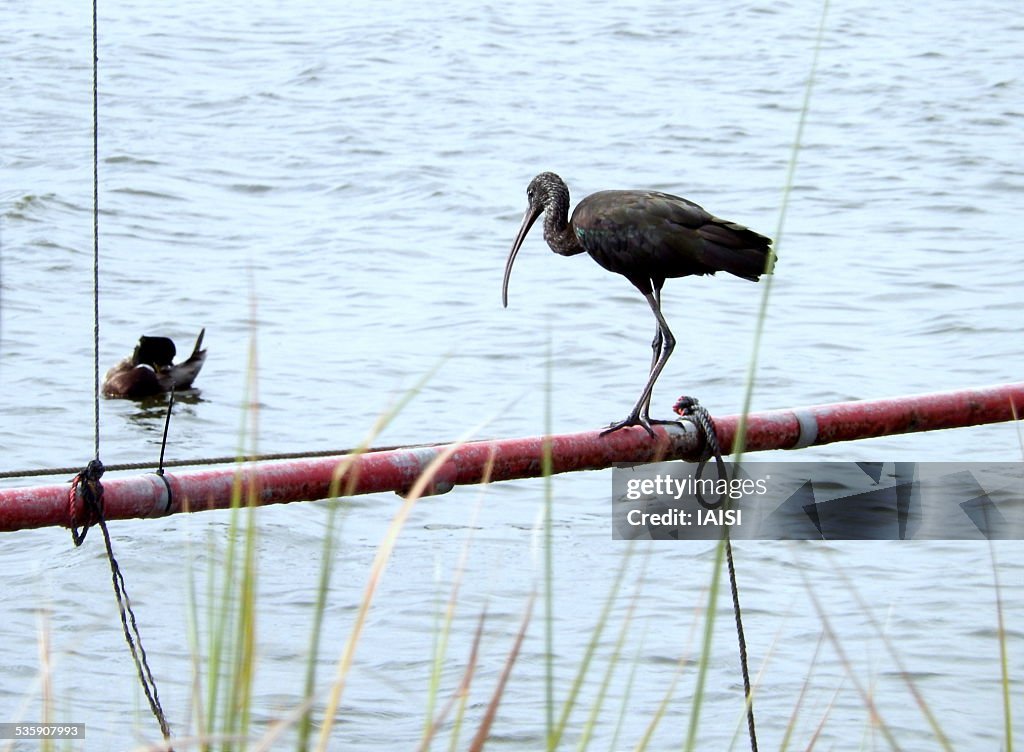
638, 415
656, 353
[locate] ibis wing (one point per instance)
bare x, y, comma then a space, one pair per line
650, 234
710, 244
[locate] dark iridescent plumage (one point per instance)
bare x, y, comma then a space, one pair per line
647, 237
150, 369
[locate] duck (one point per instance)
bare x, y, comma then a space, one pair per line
150, 369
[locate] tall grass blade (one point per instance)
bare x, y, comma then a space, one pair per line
549, 564
684, 659
462, 691
243, 670
894, 656
705, 650
613, 659
45, 675
791, 726
305, 724
342, 473
762, 315
443, 633
824, 718
226, 709
588, 654
380, 561
484, 731
1004, 658
627, 692
875, 715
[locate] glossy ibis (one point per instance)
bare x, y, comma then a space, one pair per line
150, 369
647, 237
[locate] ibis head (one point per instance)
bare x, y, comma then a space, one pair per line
546, 193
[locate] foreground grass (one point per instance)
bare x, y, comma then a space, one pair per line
607, 678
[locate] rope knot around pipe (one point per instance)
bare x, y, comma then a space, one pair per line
85, 500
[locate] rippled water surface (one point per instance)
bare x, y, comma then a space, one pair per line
331, 190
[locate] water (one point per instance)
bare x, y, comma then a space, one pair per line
334, 189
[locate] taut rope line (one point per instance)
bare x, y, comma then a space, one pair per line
95, 235
85, 506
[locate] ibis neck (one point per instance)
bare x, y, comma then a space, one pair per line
558, 231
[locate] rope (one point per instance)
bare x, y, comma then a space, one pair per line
86, 509
124, 606
163, 441
85, 500
224, 460
86, 494
690, 409
95, 233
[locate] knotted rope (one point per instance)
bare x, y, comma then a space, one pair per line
85, 498
690, 409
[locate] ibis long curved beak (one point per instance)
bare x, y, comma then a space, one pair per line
528, 219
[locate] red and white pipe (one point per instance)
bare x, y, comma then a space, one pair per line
282, 481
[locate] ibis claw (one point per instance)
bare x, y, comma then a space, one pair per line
634, 419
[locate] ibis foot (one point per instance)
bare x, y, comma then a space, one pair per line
634, 419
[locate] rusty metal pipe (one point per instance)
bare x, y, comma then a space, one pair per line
282, 481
